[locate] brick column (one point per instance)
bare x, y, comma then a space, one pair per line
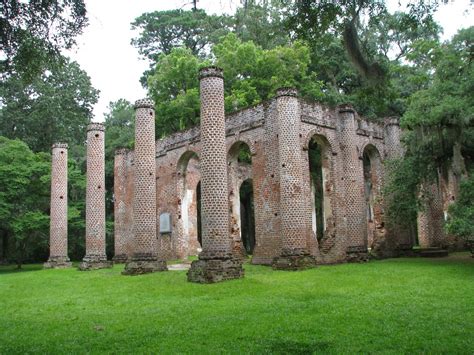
95, 257
216, 261
58, 221
294, 231
145, 257
354, 198
120, 186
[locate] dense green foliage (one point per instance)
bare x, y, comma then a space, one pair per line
44, 98
392, 306
24, 202
252, 74
439, 130
461, 213
33, 32
54, 106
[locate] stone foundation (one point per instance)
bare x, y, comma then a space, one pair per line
207, 271
94, 263
57, 262
144, 264
120, 259
357, 254
294, 260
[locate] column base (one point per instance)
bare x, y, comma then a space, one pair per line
92, 262
144, 264
57, 262
120, 259
206, 271
357, 254
294, 261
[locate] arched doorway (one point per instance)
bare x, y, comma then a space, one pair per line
320, 172
247, 216
242, 221
188, 189
372, 168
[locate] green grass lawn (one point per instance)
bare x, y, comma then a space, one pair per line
391, 306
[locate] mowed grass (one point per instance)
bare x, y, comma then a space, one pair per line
391, 306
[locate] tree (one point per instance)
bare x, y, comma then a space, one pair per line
161, 31
262, 23
33, 32
23, 198
440, 118
439, 134
355, 20
25, 179
252, 75
174, 88
55, 106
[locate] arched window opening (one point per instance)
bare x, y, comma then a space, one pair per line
317, 180
198, 208
368, 187
189, 176
242, 224
247, 219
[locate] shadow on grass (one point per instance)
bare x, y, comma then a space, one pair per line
13, 269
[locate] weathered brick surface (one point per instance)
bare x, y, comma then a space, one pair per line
145, 257
121, 230
276, 132
58, 257
95, 257
216, 261
294, 229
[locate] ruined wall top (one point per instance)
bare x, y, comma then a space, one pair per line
144, 103
60, 145
211, 71
96, 126
287, 91
121, 151
342, 108
392, 121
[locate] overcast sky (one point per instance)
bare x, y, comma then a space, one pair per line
105, 53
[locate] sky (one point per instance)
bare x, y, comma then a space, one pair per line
115, 67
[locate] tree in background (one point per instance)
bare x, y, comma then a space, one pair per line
55, 106
25, 180
33, 32
439, 133
252, 74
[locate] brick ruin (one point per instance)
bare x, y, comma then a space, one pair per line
291, 182
267, 149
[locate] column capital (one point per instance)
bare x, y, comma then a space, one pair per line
211, 71
144, 103
95, 126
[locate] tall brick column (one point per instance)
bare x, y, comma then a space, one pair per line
294, 233
216, 261
58, 221
354, 199
145, 257
95, 257
120, 185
